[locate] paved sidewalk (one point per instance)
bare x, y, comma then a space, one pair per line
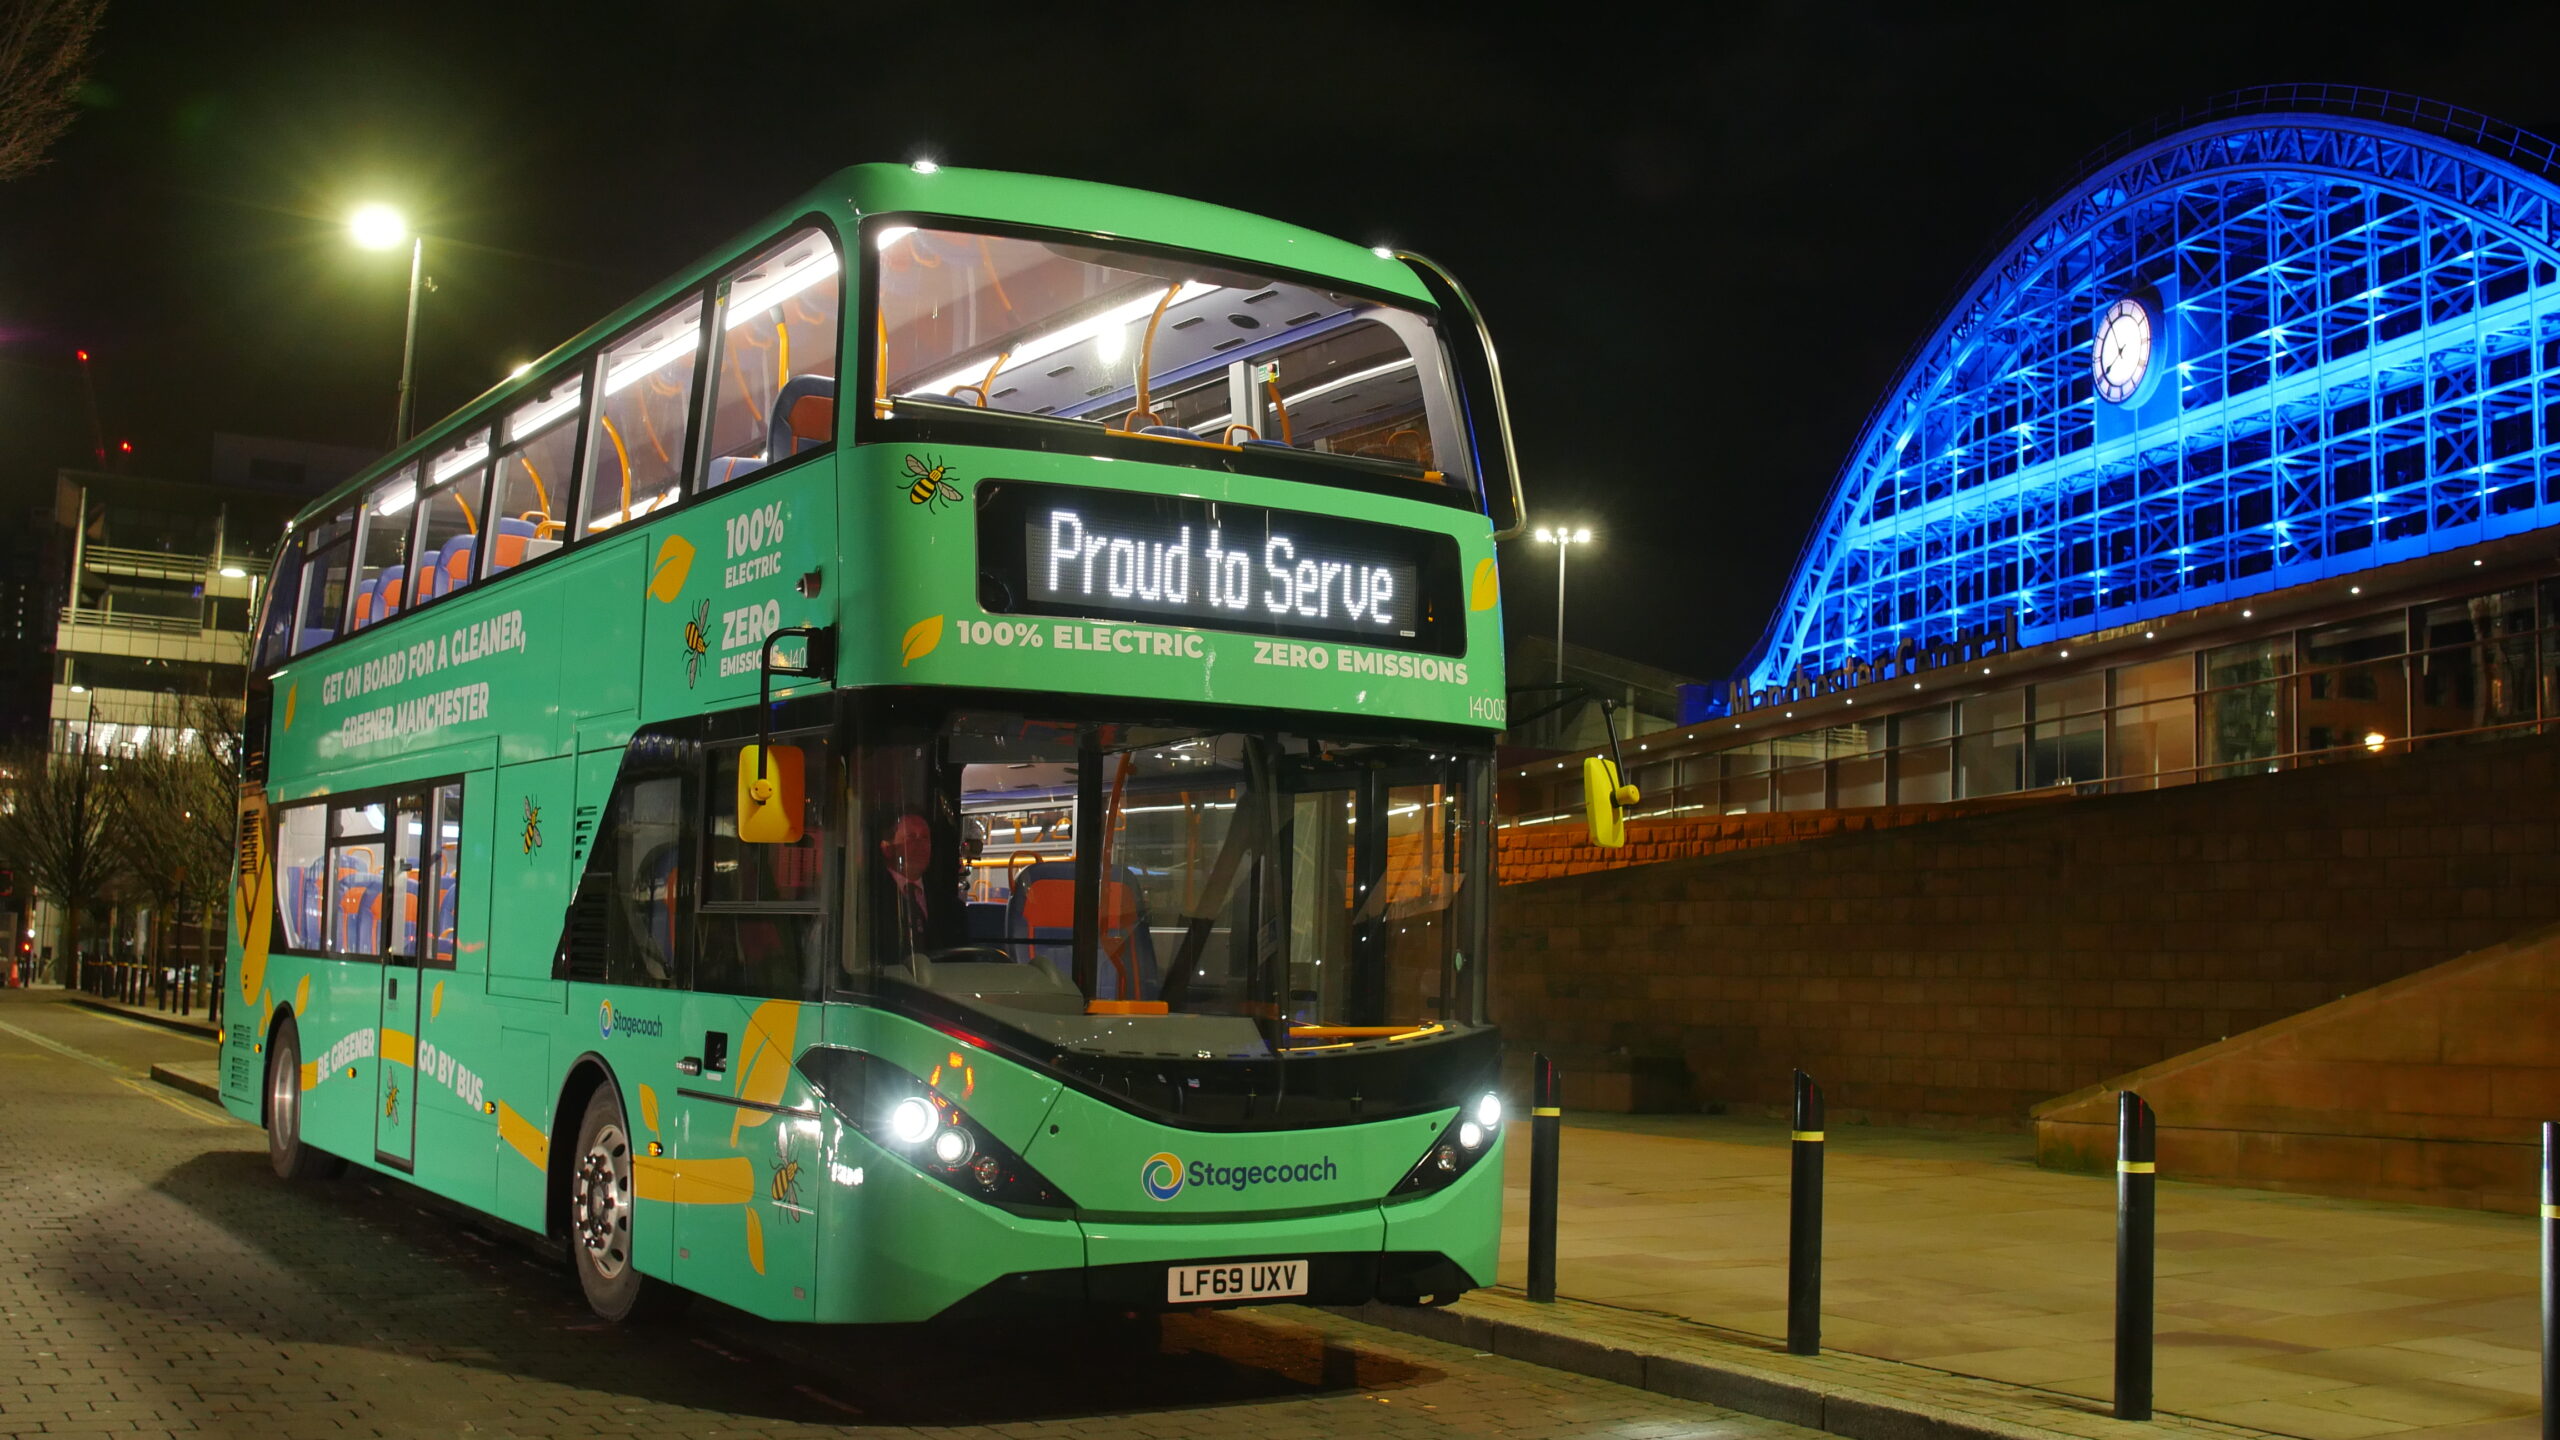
2325, 1319
194, 1024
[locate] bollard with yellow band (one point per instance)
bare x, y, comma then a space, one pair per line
1546, 1123
2137, 1138
1804, 1222
2550, 1280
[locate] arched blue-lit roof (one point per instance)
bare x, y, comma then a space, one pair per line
2357, 361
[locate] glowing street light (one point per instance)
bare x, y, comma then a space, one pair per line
379, 227
1564, 540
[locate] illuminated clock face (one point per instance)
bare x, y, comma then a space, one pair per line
2123, 352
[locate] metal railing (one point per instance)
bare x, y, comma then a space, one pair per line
161, 564
1558, 809
128, 620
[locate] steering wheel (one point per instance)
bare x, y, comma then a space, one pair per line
995, 953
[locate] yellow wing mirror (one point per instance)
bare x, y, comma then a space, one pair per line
1606, 796
1605, 801
772, 794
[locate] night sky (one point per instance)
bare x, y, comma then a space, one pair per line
1704, 240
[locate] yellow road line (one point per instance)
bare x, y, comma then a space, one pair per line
175, 1101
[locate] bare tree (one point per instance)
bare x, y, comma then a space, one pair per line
55, 818
178, 801
44, 57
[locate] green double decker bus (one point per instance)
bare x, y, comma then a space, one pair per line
938, 763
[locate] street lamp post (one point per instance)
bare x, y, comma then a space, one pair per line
379, 227
80, 823
1564, 540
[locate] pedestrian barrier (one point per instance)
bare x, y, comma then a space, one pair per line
1804, 1222
174, 989
2550, 1281
2137, 1141
1546, 1133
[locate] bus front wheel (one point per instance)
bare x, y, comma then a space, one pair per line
292, 1159
600, 1220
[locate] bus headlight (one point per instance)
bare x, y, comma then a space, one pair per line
1460, 1146
911, 1120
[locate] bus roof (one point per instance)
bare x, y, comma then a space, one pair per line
1110, 211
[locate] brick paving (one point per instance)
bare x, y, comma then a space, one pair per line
1950, 1255
155, 1279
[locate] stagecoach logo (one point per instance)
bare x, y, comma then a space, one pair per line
608, 1023
1164, 1175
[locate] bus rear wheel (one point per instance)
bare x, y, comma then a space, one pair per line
601, 1216
292, 1159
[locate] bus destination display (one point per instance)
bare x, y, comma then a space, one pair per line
1062, 550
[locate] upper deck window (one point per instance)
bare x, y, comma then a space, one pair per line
774, 395
1163, 348
330, 544
381, 577
529, 506
635, 457
452, 518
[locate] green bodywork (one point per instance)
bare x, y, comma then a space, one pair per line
529, 687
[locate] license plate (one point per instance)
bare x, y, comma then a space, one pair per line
1252, 1280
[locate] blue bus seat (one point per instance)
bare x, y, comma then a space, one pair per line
457, 562
804, 416
1041, 916
360, 614
387, 597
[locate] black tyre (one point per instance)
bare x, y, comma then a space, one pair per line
600, 1219
292, 1159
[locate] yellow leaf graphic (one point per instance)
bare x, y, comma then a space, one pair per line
764, 1061
674, 562
755, 1240
922, 636
1487, 588
291, 693
649, 1108
302, 997
435, 1002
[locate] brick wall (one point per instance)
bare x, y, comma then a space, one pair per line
2425, 1090
1543, 852
1958, 973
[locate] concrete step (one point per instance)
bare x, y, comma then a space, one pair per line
1852, 1395
198, 1077
194, 1024
2425, 1090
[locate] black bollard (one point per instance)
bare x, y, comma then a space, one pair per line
1804, 1223
2136, 1143
2550, 1280
1546, 1122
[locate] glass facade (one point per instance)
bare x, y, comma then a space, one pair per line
2479, 667
2313, 334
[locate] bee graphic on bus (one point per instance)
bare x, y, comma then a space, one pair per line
532, 825
697, 643
932, 484
784, 1183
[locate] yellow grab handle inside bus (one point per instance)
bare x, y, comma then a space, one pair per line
770, 806
1605, 801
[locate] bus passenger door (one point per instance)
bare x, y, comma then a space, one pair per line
750, 1155
395, 1128
746, 1225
